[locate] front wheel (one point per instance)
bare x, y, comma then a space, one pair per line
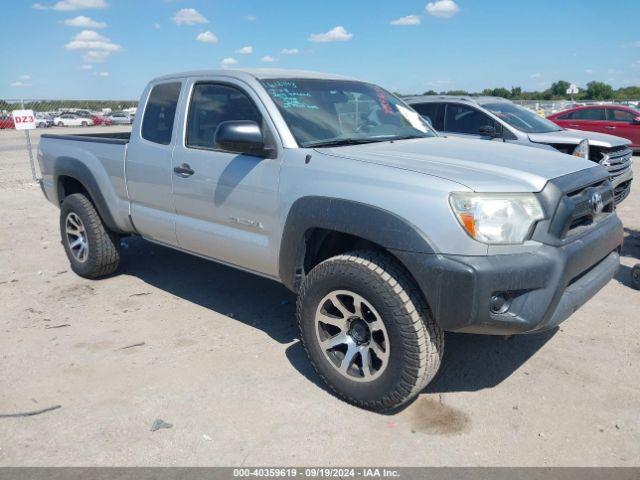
60, 124
367, 330
93, 250
635, 277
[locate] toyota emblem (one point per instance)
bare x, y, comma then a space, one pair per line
597, 204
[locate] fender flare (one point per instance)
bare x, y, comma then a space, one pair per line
74, 168
365, 221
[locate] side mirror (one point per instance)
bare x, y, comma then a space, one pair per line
241, 136
489, 131
636, 121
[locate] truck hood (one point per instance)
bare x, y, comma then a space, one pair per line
482, 166
574, 137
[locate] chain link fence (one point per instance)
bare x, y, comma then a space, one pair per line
53, 116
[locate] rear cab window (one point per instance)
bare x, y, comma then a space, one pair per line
160, 113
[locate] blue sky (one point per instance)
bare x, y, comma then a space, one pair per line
109, 49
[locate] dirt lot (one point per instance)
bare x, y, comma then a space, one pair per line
214, 352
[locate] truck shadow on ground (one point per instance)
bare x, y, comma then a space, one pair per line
253, 300
630, 248
470, 362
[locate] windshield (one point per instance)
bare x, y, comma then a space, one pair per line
339, 112
521, 118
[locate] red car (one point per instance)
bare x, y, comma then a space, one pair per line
615, 120
6, 121
100, 120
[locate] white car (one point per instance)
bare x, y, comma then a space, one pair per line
71, 120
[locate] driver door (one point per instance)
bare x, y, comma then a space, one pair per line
226, 203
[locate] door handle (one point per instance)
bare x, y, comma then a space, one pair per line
184, 170
573, 125
610, 128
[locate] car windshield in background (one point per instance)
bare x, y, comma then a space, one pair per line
339, 112
521, 118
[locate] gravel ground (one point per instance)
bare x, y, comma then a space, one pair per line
214, 352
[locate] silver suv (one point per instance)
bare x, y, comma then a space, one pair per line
495, 118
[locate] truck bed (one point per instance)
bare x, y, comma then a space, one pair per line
120, 138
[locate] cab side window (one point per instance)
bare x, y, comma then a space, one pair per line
465, 119
212, 104
160, 113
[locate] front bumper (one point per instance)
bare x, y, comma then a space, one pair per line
543, 288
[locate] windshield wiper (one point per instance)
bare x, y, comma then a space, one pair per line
342, 142
409, 137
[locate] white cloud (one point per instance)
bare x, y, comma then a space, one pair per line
442, 8
82, 21
268, 59
536, 75
207, 37
20, 84
250, 18
245, 50
589, 71
336, 34
189, 16
228, 62
408, 20
156, 25
101, 74
290, 51
69, 5
85, 67
96, 56
25, 77
91, 40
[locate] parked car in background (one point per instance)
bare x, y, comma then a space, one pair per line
389, 233
613, 119
72, 120
100, 119
43, 120
494, 118
121, 118
6, 122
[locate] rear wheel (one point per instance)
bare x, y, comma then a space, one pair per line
93, 250
84, 124
60, 124
367, 330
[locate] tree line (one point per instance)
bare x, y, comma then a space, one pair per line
557, 91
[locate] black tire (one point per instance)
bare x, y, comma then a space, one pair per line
84, 124
416, 341
635, 277
60, 124
103, 253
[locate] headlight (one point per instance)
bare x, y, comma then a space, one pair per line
582, 150
499, 218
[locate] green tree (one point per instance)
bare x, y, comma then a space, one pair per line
501, 92
430, 92
516, 92
559, 88
598, 91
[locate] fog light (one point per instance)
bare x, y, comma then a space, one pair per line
499, 303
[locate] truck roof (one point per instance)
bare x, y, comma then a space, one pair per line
480, 99
256, 73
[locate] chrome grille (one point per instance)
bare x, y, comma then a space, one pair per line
617, 161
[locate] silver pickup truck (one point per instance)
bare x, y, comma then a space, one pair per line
388, 233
